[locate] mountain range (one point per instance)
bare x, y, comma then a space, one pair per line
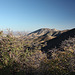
44, 34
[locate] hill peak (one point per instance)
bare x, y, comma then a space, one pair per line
42, 31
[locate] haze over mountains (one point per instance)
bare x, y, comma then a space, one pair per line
16, 33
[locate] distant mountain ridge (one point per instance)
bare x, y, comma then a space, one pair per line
44, 31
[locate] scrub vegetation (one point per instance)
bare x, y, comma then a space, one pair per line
19, 56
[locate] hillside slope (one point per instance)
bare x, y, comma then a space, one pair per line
58, 40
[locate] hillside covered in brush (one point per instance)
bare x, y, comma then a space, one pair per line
55, 42
31, 56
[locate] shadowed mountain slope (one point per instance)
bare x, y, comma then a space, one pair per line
58, 40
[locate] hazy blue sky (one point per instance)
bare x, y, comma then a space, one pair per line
30, 15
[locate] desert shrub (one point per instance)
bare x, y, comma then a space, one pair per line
60, 61
30, 61
10, 48
69, 49
62, 64
68, 44
18, 57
